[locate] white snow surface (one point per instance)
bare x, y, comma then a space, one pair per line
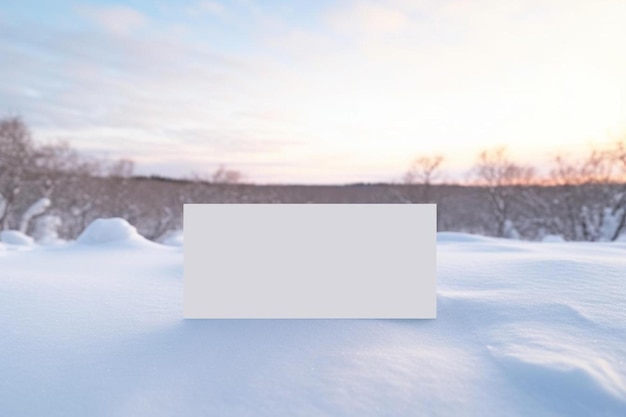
523, 329
113, 230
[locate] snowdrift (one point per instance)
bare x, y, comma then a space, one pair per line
112, 231
16, 238
523, 329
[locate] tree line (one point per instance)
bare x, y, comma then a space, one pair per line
582, 199
52, 191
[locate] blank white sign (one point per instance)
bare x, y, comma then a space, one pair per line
310, 260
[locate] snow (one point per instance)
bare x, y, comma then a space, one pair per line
107, 230
46, 230
14, 237
172, 238
112, 231
553, 238
95, 328
36, 209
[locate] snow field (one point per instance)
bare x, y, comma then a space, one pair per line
94, 327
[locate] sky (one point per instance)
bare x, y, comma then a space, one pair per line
315, 91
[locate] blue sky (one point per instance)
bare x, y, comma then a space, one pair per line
315, 91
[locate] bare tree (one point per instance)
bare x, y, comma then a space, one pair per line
222, 175
16, 158
63, 175
504, 181
423, 170
420, 176
592, 194
122, 168
225, 175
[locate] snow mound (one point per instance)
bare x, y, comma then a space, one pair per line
107, 231
14, 237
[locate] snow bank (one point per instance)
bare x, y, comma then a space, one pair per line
113, 232
14, 237
106, 231
523, 329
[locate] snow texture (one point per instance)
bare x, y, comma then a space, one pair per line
523, 329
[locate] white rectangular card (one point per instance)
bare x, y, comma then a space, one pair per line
310, 260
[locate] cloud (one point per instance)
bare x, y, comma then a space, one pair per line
135, 94
372, 82
116, 20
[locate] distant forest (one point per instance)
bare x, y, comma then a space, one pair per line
52, 191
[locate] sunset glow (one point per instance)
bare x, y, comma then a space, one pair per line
330, 91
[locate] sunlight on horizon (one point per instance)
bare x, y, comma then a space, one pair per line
338, 91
